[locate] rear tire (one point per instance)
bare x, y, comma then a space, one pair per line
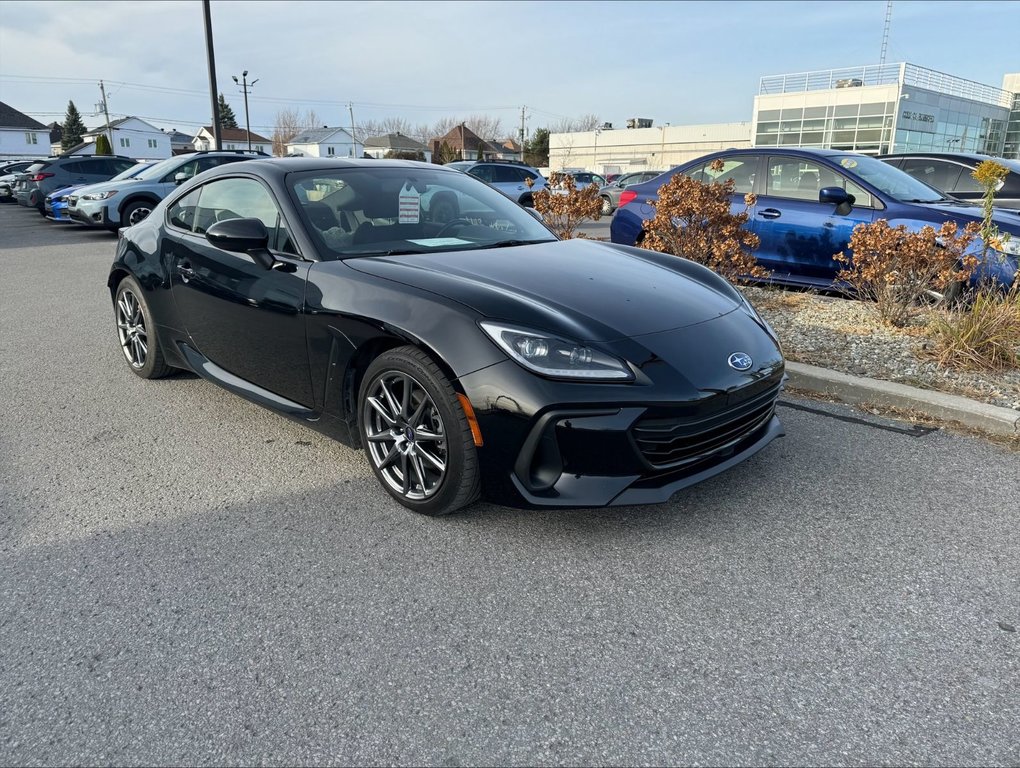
607, 206
416, 435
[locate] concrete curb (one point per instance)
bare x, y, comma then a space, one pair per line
939, 405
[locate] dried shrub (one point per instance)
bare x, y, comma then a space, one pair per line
564, 207
900, 269
984, 336
694, 220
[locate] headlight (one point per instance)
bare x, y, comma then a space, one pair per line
1011, 246
555, 357
99, 195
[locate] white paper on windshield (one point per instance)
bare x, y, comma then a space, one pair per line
410, 206
437, 242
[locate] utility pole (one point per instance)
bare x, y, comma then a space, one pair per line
354, 138
217, 132
106, 111
245, 85
522, 131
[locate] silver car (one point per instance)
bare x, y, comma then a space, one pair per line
610, 193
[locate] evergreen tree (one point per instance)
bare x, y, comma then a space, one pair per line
103, 145
73, 127
536, 151
227, 118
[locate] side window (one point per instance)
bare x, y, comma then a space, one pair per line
740, 169
862, 198
119, 166
98, 167
935, 173
73, 168
503, 174
182, 213
965, 183
798, 179
483, 172
239, 198
189, 169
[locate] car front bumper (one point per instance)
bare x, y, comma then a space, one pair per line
637, 449
90, 213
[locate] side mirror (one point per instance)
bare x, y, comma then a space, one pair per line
180, 178
833, 195
242, 236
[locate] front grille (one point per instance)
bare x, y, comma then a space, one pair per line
677, 440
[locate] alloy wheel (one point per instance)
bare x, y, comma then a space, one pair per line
138, 214
131, 329
406, 436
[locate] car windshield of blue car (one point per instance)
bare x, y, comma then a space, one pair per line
892, 181
393, 209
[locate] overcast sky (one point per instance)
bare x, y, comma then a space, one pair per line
675, 62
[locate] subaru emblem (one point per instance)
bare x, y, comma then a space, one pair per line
740, 361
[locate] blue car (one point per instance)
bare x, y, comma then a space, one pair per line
55, 203
810, 200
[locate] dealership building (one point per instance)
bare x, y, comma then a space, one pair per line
871, 109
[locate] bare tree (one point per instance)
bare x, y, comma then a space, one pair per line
288, 124
587, 122
485, 126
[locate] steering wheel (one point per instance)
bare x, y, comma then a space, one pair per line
451, 224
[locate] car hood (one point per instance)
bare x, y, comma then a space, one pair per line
591, 290
964, 212
105, 186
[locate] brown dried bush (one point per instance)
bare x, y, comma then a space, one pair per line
564, 207
900, 269
693, 220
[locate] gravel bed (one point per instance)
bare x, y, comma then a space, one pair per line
848, 336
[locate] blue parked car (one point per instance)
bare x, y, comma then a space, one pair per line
810, 200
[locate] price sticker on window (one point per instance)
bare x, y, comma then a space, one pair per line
410, 206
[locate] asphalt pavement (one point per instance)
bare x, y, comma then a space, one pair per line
186, 578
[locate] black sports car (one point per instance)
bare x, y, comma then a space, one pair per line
416, 312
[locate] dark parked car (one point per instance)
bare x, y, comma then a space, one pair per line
950, 173
610, 193
466, 356
58, 172
808, 203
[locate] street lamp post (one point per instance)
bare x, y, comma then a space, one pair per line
245, 85
595, 152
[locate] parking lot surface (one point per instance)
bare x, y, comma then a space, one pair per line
186, 578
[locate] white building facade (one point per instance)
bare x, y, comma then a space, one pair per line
882, 109
643, 149
325, 142
132, 137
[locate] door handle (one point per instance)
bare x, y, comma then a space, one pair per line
770, 213
185, 271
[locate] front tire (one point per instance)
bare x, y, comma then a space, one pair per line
135, 212
136, 332
416, 435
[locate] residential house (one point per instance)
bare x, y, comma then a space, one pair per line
232, 138
181, 143
21, 136
464, 142
379, 146
324, 142
131, 137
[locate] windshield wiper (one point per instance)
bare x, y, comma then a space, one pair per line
392, 252
936, 200
512, 243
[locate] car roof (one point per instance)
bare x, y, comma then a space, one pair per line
281, 166
973, 156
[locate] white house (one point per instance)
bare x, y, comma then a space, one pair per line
232, 138
325, 142
21, 136
133, 137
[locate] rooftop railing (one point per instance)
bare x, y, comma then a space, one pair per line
885, 74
